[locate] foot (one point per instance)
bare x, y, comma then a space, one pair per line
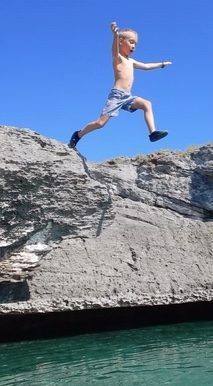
74, 140
156, 135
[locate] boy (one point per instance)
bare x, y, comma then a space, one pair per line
124, 44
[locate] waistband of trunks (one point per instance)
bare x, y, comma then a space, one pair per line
127, 92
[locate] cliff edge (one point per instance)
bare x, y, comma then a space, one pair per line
126, 232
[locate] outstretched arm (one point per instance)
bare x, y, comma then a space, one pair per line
115, 44
150, 66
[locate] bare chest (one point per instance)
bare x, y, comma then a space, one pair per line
124, 74
125, 67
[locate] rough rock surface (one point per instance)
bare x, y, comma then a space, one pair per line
126, 232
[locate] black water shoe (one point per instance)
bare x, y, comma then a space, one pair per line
156, 135
74, 140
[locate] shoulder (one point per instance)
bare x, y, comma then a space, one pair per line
133, 61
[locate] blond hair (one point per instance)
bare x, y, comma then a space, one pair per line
123, 32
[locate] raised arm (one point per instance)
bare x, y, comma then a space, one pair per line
115, 44
150, 66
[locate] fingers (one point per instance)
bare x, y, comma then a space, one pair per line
165, 64
114, 26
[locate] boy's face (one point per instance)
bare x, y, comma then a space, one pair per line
128, 43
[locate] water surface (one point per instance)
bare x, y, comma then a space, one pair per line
180, 354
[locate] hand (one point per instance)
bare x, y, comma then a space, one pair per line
166, 64
114, 27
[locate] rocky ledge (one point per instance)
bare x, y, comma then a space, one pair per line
126, 232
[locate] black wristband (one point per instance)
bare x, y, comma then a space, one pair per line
162, 65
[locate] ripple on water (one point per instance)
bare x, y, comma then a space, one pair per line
178, 355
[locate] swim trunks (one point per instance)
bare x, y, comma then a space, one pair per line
118, 99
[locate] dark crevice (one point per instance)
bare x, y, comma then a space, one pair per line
106, 204
105, 210
14, 292
48, 325
83, 159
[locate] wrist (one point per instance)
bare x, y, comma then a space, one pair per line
163, 65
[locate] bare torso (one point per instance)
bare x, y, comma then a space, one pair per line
124, 73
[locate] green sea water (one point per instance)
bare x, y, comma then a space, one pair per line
179, 354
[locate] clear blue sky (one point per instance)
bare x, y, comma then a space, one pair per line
56, 73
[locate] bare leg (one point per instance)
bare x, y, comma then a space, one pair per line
94, 125
146, 106
77, 135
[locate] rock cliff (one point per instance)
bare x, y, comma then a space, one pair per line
126, 232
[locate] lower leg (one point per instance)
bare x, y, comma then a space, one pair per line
94, 125
146, 106
77, 135
149, 119
88, 128
154, 135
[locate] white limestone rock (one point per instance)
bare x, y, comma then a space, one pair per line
126, 232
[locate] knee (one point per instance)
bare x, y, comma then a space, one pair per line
100, 122
143, 104
147, 105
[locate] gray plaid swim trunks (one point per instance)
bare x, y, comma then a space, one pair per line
118, 99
